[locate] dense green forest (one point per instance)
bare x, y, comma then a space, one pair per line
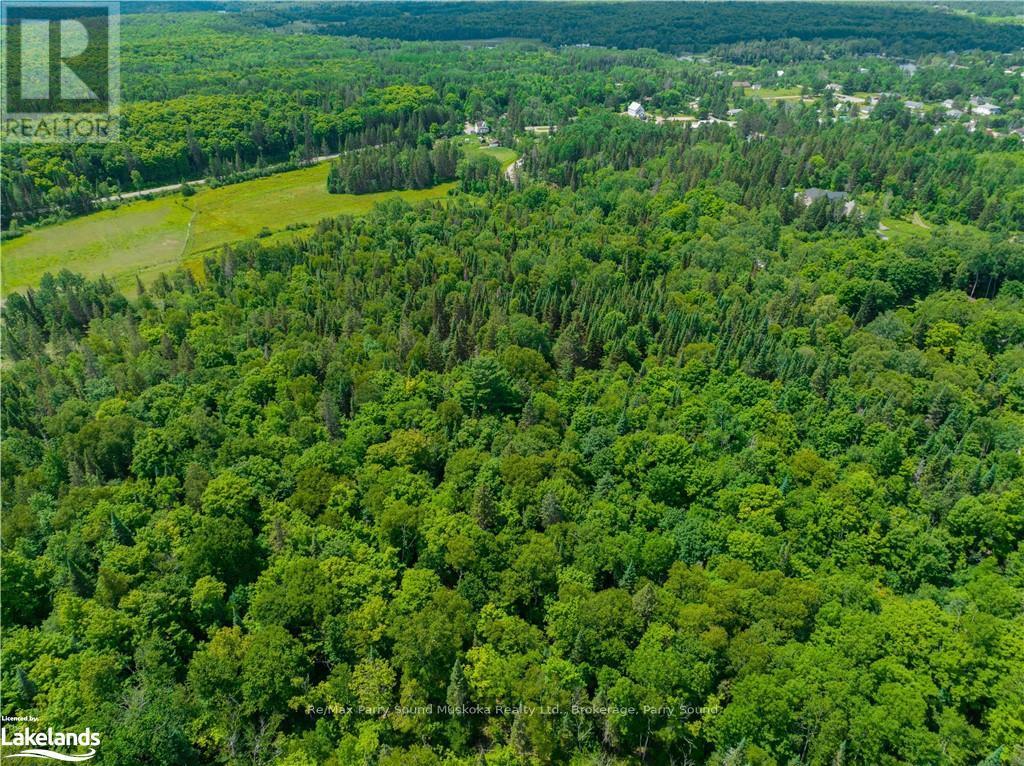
390, 167
949, 176
625, 453
901, 29
596, 451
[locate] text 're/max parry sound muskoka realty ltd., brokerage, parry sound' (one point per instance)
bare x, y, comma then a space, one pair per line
458, 711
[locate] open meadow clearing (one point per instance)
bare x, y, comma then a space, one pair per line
472, 146
146, 237
149, 236
773, 94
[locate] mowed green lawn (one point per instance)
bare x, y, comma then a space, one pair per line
150, 236
472, 146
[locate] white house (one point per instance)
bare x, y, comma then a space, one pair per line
914, 106
987, 110
637, 111
478, 128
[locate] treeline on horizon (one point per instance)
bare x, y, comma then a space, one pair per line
665, 26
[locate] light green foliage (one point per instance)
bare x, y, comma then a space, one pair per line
638, 452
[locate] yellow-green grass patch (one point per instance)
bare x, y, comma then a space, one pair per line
772, 93
147, 237
472, 146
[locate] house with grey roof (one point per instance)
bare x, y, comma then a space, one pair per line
809, 196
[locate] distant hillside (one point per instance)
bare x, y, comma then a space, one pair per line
670, 27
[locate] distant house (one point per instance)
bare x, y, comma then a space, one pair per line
733, 112
809, 196
954, 114
914, 106
949, 103
834, 87
636, 110
741, 83
780, 72
478, 128
812, 195
910, 69
756, 86
987, 110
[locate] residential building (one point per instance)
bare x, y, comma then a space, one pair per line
478, 128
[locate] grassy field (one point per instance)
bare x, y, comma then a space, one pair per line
773, 94
898, 228
471, 145
147, 237
916, 227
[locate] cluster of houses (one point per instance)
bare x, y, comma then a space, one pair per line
637, 112
977, 106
